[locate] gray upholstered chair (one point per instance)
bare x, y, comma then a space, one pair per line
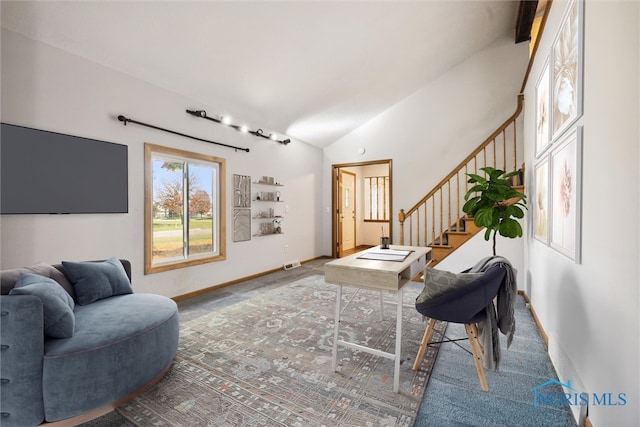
466, 305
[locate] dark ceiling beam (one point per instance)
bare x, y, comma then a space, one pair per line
526, 14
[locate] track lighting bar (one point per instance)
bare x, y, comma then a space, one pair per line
125, 120
227, 122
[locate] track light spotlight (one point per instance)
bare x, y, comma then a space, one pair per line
226, 120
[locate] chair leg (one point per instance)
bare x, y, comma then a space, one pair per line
423, 344
472, 333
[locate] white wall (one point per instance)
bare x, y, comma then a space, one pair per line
590, 310
434, 129
46, 88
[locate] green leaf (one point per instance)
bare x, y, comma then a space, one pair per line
473, 178
488, 170
513, 193
470, 206
487, 234
493, 173
497, 215
514, 211
476, 188
484, 217
510, 228
494, 196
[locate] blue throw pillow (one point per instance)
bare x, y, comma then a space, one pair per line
57, 304
93, 281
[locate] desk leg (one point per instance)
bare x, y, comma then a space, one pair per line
396, 373
381, 309
336, 321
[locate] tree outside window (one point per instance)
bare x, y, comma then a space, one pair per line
184, 208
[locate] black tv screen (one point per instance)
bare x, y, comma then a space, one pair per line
45, 172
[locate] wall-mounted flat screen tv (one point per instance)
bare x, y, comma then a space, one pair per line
45, 172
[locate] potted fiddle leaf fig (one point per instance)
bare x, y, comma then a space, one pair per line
495, 204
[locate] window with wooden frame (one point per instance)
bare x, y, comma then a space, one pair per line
184, 209
376, 198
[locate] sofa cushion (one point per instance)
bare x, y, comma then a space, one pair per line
57, 304
93, 281
120, 344
8, 278
438, 282
59, 277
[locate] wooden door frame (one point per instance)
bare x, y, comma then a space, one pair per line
335, 194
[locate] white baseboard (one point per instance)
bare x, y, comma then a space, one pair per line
566, 372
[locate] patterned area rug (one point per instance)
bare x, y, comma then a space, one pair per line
267, 362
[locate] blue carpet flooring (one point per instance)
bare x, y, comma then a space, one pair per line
454, 398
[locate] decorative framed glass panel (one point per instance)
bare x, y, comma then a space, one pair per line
376, 198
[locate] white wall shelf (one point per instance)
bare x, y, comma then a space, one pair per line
269, 221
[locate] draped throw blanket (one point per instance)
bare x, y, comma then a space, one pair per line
500, 318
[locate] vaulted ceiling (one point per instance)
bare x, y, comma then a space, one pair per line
311, 70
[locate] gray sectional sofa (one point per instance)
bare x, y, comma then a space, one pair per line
75, 339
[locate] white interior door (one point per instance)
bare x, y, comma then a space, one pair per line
347, 210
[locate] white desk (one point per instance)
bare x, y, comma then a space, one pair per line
366, 269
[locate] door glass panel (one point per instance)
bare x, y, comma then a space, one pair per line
201, 184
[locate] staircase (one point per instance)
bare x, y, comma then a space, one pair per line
437, 220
